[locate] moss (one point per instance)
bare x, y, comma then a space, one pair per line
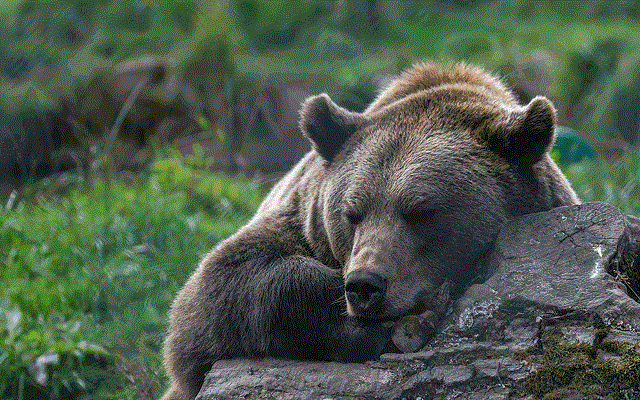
627, 270
570, 368
631, 261
615, 347
520, 355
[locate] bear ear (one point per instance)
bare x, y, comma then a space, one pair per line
327, 125
525, 135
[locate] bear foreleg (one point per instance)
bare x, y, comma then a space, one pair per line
288, 307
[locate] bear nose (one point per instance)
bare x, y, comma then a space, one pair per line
364, 290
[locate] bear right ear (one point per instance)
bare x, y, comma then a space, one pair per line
327, 125
525, 134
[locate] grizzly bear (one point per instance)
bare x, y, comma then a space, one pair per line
389, 207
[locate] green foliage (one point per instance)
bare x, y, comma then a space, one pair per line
589, 64
617, 183
47, 357
593, 47
276, 22
28, 98
337, 44
8, 9
67, 44
91, 270
609, 112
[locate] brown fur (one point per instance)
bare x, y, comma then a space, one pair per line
414, 190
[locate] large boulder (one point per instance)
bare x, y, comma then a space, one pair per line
552, 317
555, 262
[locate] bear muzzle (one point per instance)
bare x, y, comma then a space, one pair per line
365, 292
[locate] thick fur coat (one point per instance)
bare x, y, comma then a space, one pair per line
389, 207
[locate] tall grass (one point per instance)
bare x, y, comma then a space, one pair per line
616, 183
87, 278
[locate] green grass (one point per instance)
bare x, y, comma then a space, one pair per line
88, 276
617, 183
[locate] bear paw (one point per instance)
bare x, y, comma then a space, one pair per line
412, 332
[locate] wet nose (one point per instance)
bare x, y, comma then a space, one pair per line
365, 290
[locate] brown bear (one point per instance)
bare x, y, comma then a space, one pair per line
390, 206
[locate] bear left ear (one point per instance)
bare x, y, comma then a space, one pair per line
525, 135
327, 125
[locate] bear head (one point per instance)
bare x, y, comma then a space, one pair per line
418, 185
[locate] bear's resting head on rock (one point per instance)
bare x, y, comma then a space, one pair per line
368, 235
418, 185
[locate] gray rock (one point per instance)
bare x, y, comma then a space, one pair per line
285, 379
630, 338
579, 334
547, 272
553, 263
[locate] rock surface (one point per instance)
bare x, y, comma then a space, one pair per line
549, 284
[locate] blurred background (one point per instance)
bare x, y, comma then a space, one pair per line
135, 135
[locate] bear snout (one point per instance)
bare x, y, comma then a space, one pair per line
365, 291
